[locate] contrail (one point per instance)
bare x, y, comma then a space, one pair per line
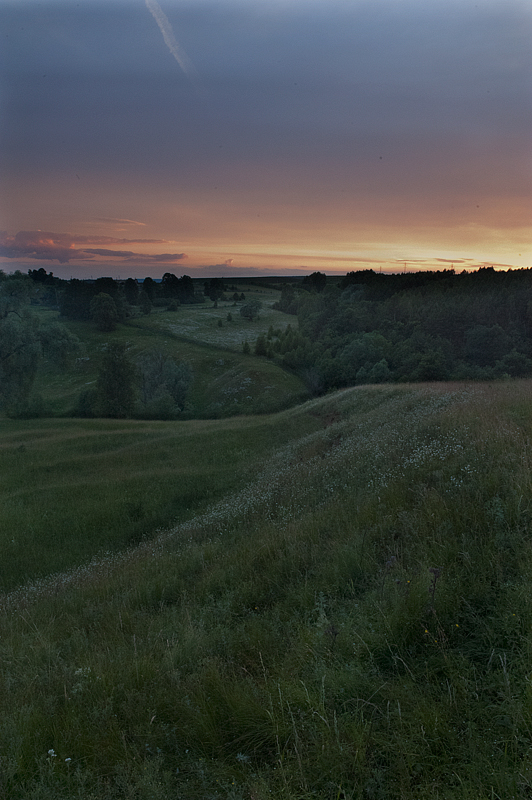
169, 39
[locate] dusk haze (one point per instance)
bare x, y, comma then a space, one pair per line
234, 137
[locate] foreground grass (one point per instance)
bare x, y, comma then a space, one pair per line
353, 623
72, 489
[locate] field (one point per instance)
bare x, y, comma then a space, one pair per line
332, 601
226, 381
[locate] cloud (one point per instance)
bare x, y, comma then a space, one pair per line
169, 39
168, 257
128, 255
116, 221
112, 253
65, 247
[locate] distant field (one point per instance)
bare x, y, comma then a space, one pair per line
226, 382
200, 323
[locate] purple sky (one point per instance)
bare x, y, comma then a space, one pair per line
139, 137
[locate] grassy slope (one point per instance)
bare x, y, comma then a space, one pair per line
353, 622
226, 382
73, 488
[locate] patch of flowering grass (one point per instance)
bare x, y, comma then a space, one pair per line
352, 622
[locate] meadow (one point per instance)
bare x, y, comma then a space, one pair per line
225, 380
345, 612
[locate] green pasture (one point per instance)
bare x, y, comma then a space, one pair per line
73, 488
226, 381
328, 602
201, 323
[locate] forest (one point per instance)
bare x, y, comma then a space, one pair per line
409, 327
362, 328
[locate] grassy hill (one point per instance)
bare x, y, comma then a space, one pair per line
226, 381
328, 602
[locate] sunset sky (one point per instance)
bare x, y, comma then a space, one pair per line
225, 137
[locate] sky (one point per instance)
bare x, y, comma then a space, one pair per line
232, 137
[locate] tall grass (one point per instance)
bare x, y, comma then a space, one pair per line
74, 488
352, 622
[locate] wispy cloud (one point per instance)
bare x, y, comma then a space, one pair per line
169, 39
136, 257
119, 222
65, 247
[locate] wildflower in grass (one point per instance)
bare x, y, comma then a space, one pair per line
52, 753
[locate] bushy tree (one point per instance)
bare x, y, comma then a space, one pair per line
20, 353
163, 384
59, 345
23, 340
75, 300
214, 288
149, 287
288, 302
115, 386
145, 302
251, 309
104, 312
316, 281
131, 291
261, 348
180, 288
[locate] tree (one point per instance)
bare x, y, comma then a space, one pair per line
20, 353
163, 384
214, 288
115, 383
149, 286
75, 300
106, 285
59, 345
316, 281
131, 291
104, 312
251, 309
288, 302
23, 340
260, 346
180, 288
170, 285
145, 302
20, 347
485, 344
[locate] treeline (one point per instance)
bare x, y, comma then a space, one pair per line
425, 326
108, 301
25, 340
154, 386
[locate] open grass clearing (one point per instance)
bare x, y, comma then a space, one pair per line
201, 323
226, 382
353, 620
72, 488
